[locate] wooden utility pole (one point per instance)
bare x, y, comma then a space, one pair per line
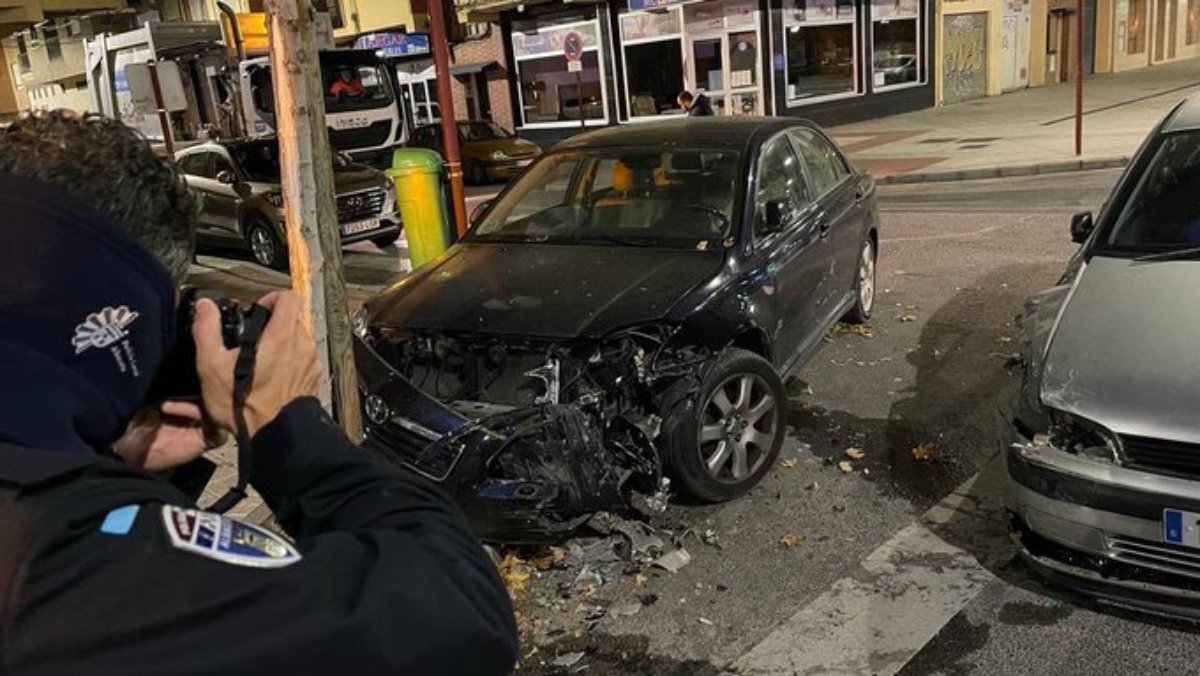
441, 66
314, 243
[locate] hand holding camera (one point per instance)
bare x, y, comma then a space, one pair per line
285, 369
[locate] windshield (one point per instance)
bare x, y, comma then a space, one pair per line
355, 87
624, 196
481, 131
1163, 211
259, 160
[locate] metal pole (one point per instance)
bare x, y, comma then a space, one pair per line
164, 118
1078, 77
582, 110
441, 65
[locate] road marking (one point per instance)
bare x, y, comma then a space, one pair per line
876, 619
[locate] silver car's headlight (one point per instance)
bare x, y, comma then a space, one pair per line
1083, 437
499, 155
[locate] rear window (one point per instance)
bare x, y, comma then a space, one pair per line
1163, 210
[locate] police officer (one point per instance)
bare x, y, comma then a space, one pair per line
107, 568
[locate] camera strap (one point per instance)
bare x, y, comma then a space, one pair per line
243, 380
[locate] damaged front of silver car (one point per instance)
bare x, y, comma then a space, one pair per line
530, 437
1104, 490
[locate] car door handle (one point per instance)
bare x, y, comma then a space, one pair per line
859, 193
824, 229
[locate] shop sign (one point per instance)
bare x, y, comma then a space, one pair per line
649, 26
549, 40
811, 11
882, 10
394, 44
636, 5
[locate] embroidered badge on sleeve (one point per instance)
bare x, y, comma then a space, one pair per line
227, 540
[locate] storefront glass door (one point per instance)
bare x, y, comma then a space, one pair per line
725, 68
709, 71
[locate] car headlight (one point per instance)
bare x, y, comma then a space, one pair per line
358, 322
499, 155
1083, 437
274, 198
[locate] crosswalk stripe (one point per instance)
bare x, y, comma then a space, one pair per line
874, 620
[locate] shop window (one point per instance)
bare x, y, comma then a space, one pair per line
1135, 39
549, 92
1193, 22
895, 43
821, 61
653, 61
53, 46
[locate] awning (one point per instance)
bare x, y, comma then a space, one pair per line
473, 68
489, 10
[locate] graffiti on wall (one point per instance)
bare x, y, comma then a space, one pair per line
964, 57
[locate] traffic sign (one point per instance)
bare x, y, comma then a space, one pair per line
574, 66
573, 46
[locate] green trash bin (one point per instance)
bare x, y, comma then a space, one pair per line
417, 174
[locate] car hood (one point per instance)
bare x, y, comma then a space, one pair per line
1126, 349
543, 290
355, 177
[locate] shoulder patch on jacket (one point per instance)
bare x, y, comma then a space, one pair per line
225, 539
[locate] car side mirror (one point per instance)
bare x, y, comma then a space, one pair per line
477, 212
1081, 227
774, 213
226, 177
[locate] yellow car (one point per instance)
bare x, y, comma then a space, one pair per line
489, 152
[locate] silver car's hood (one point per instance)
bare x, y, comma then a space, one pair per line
1126, 349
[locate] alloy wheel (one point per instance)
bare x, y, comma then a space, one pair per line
737, 428
263, 247
866, 278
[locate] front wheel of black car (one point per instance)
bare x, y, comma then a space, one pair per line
864, 283
722, 445
265, 246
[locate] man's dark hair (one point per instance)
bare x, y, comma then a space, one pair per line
686, 97
113, 169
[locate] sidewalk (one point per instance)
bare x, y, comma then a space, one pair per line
1024, 132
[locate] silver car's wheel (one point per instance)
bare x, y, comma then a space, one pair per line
265, 246
738, 430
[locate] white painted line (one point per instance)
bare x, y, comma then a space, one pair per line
875, 620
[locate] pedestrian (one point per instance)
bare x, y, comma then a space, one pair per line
105, 566
695, 106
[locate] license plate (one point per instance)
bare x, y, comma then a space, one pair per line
360, 226
1181, 528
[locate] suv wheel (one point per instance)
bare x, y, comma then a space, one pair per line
721, 446
265, 246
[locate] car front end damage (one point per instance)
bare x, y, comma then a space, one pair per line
531, 437
1104, 479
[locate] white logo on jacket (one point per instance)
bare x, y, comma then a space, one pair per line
103, 328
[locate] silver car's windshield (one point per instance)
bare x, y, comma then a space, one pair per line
1163, 211
669, 196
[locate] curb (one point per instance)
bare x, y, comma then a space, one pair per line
1005, 171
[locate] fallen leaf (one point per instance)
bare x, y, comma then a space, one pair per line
789, 463
846, 467
907, 318
640, 580
515, 573
1041, 439
855, 453
791, 541
550, 559
922, 452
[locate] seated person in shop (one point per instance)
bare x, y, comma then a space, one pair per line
347, 85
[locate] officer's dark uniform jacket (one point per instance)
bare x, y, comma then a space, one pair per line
95, 578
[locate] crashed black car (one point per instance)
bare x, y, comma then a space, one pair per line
620, 318
1104, 490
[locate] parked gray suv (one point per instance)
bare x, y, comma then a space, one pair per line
237, 183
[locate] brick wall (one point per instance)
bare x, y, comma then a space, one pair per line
485, 50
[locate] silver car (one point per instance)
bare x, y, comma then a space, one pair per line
241, 202
1104, 489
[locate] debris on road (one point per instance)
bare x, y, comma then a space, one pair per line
515, 573
568, 659
625, 610
788, 463
710, 537
842, 329
905, 318
845, 467
855, 453
796, 387
791, 541
923, 452
673, 561
706, 621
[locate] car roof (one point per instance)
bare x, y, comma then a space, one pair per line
1186, 116
685, 131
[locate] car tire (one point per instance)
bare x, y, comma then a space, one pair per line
265, 247
864, 283
478, 174
384, 241
720, 443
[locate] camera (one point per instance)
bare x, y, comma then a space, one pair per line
177, 377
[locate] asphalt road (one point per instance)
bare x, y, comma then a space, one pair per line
905, 565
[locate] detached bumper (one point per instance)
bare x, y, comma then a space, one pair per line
1098, 528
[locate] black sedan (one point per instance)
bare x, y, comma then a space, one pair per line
622, 317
